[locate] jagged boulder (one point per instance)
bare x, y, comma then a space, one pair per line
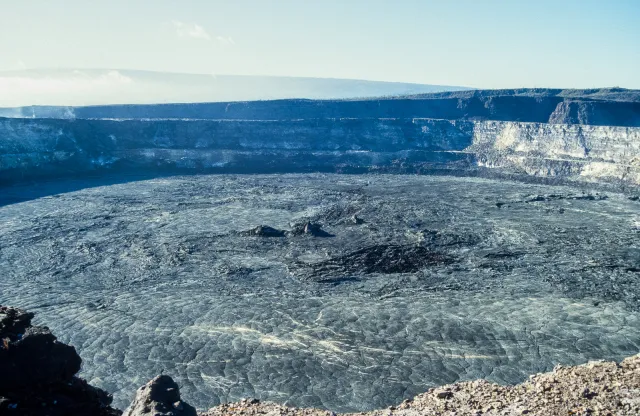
264, 231
14, 321
36, 357
309, 228
159, 397
37, 372
32, 355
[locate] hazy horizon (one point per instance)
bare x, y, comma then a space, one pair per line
76, 53
214, 75
67, 87
490, 44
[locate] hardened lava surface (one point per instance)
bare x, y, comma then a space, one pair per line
333, 291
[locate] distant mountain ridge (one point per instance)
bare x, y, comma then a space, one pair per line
69, 87
600, 107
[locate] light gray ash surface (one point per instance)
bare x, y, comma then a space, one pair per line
415, 281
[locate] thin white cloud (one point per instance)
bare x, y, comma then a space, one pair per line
195, 31
190, 30
225, 40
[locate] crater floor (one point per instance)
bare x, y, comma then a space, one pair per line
365, 290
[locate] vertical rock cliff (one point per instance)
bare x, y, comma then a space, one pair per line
32, 148
574, 152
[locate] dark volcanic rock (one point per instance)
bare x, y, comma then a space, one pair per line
309, 228
32, 354
384, 259
74, 397
38, 372
264, 231
13, 322
159, 397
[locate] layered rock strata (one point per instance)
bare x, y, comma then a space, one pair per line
32, 149
608, 107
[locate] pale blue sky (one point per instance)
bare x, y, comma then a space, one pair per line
484, 44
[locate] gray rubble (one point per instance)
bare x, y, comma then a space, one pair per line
595, 389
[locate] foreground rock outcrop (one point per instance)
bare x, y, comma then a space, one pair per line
37, 372
159, 397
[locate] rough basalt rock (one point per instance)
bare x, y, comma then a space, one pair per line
14, 322
263, 231
36, 357
383, 259
159, 397
37, 372
32, 355
308, 228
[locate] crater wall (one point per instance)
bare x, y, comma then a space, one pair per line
566, 151
609, 107
36, 148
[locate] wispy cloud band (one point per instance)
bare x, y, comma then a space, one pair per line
196, 31
190, 30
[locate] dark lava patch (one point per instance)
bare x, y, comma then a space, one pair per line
384, 259
263, 231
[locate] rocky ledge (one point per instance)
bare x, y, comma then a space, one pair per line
596, 388
37, 373
38, 378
